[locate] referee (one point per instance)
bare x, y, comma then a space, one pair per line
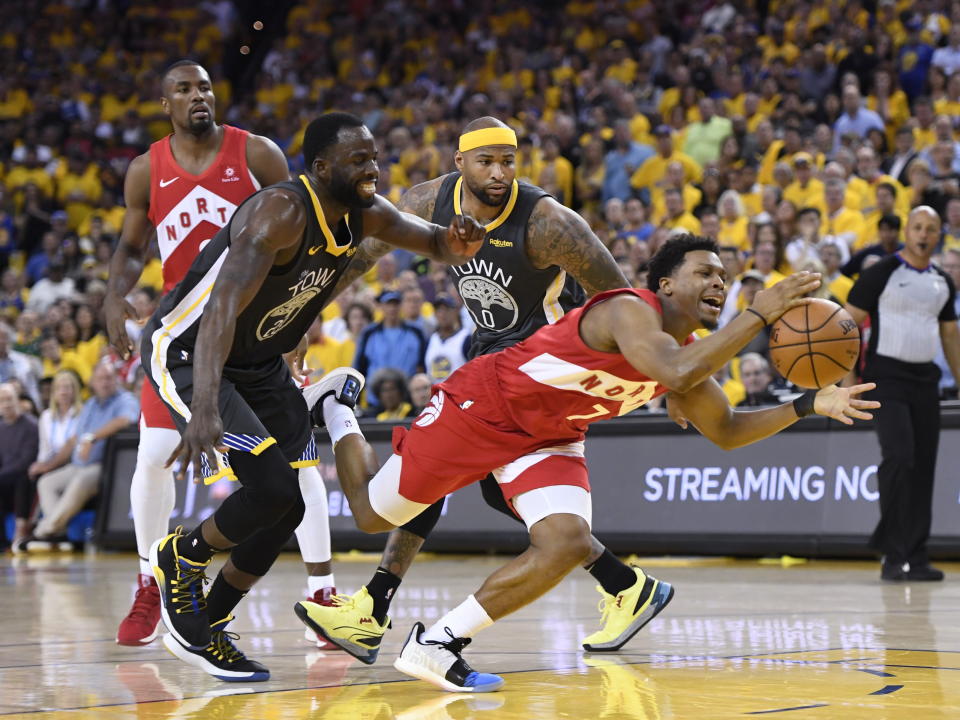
911, 308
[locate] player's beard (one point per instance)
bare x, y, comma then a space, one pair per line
199, 127
482, 196
343, 189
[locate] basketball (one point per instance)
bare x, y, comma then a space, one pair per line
814, 345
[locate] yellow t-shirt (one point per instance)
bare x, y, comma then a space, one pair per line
845, 223
324, 357
686, 221
653, 172
809, 196
734, 233
658, 203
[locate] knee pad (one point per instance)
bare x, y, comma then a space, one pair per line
270, 485
422, 525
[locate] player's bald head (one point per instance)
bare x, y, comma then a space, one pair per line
482, 123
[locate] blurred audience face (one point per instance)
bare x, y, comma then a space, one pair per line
391, 394
104, 381
710, 225
419, 389
9, 403
951, 265
732, 260
411, 304
764, 257
830, 257
613, 213
63, 392
635, 213
755, 374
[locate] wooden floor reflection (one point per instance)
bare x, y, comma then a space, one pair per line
822, 640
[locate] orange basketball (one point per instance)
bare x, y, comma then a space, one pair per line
815, 345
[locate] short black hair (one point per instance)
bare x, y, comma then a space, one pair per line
890, 221
179, 63
322, 132
671, 254
809, 210
889, 186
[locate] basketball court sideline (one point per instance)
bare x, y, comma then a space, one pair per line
741, 639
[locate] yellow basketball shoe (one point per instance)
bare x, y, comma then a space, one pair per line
347, 622
624, 615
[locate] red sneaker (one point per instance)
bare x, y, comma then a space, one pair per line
139, 627
323, 596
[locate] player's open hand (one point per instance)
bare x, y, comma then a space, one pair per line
789, 292
844, 403
464, 237
116, 312
202, 436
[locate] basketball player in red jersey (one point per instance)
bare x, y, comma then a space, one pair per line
519, 413
184, 190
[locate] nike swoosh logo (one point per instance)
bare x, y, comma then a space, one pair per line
164, 183
315, 249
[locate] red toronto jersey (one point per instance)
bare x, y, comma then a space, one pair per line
187, 210
553, 385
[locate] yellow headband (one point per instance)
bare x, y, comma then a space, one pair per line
488, 136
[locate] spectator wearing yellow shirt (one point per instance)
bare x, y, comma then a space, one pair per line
951, 228
734, 223
677, 217
652, 175
79, 189
324, 353
924, 134
589, 175
55, 359
950, 103
389, 386
29, 171
91, 341
831, 255
689, 194
744, 181
839, 221
805, 191
672, 96
774, 44
869, 170
556, 172
943, 128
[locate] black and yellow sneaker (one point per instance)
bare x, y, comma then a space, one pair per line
220, 657
183, 606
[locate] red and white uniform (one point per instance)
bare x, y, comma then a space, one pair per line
521, 413
187, 210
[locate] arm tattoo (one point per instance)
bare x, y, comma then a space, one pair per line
421, 199
368, 253
558, 236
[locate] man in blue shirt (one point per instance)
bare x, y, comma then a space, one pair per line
856, 119
392, 342
914, 60
72, 476
621, 162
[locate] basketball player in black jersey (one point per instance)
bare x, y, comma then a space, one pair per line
538, 259
214, 349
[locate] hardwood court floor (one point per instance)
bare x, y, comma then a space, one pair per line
823, 640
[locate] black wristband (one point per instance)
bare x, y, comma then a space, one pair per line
803, 405
762, 318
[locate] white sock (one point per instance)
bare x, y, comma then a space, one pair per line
339, 419
319, 582
152, 490
464, 621
313, 534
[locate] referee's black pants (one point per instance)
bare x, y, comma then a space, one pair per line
908, 427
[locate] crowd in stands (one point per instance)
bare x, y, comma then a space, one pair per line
797, 133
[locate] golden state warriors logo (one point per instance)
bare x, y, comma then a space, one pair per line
282, 315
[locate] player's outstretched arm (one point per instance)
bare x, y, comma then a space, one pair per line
453, 245
127, 262
628, 325
706, 406
556, 235
271, 222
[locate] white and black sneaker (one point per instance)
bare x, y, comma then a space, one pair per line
441, 664
344, 383
220, 658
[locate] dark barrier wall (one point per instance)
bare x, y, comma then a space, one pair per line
811, 490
